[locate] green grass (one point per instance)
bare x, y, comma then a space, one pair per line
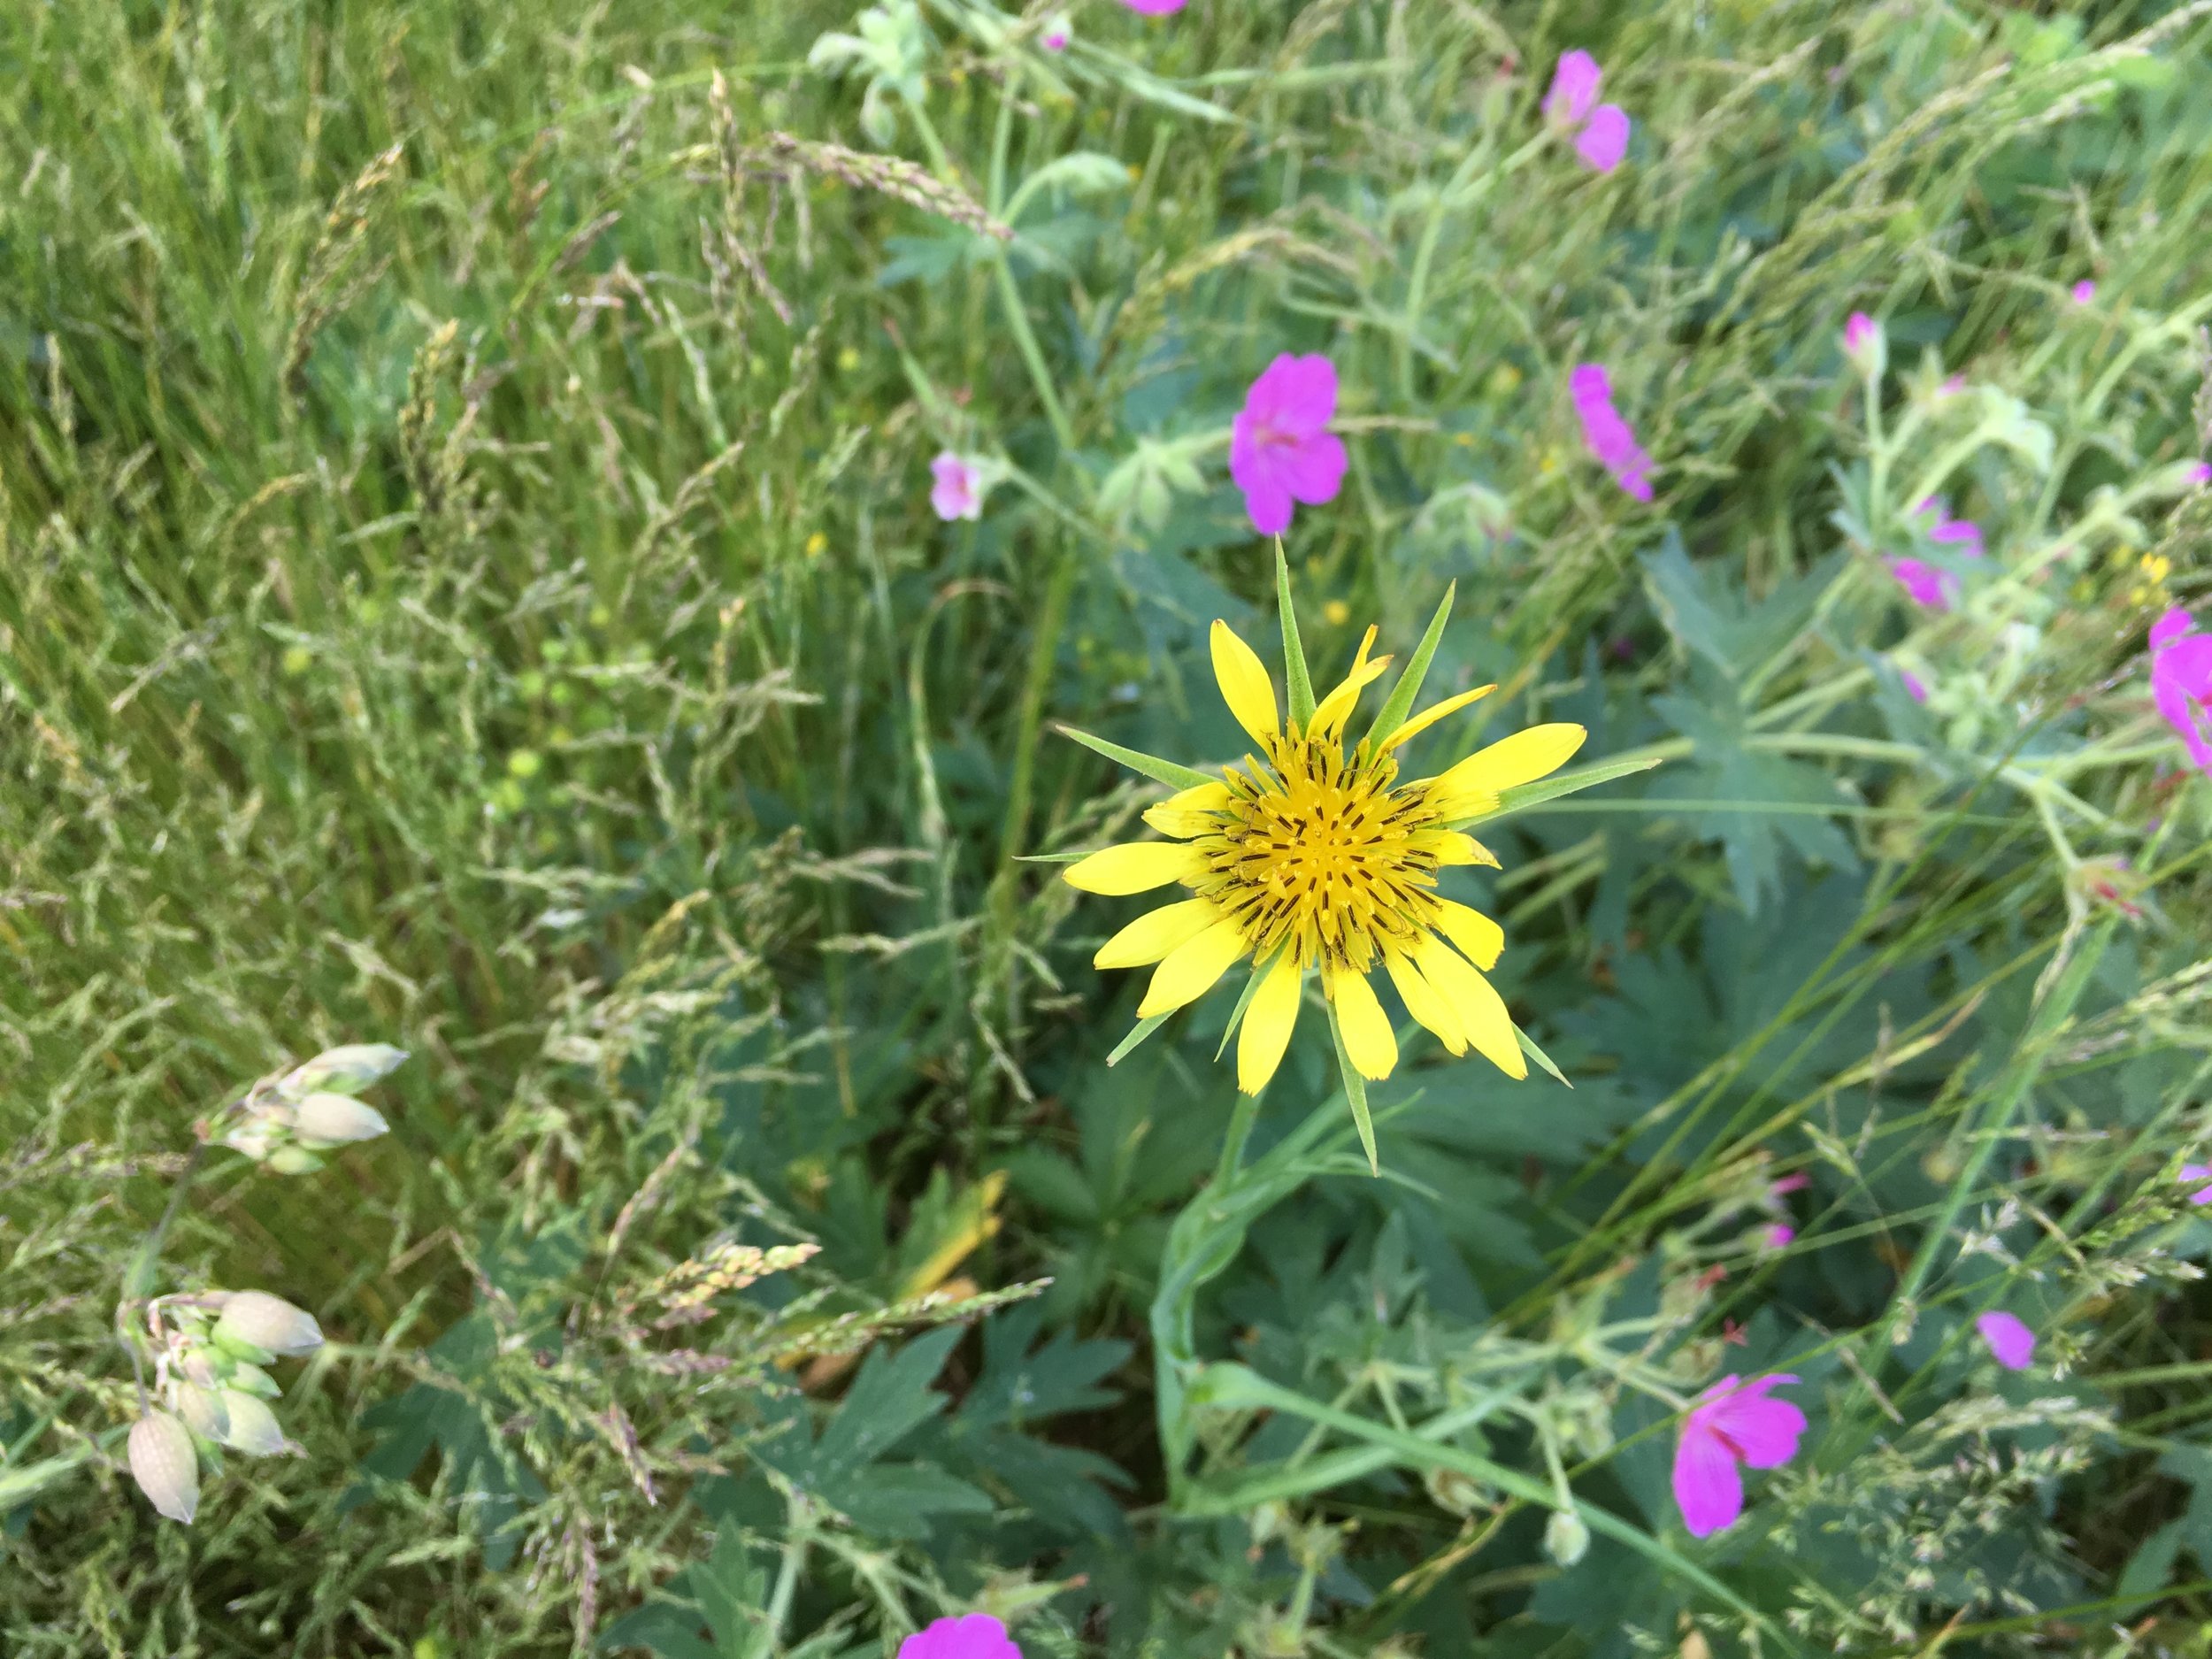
468, 582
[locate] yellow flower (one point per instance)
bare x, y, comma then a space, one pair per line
1313, 857
1338, 612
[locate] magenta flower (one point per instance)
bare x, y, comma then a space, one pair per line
2198, 1172
1600, 134
957, 493
1779, 1236
2181, 682
1963, 534
1914, 687
977, 1636
1731, 1423
2084, 292
2009, 1339
1865, 345
2201, 472
1782, 1187
1155, 8
1055, 36
1281, 449
1931, 589
1608, 436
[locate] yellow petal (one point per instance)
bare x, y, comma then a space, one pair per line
1134, 867
1453, 846
1424, 1002
1155, 934
1479, 938
1189, 812
1427, 717
1245, 685
1369, 1043
1521, 758
1191, 968
1268, 1020
1475, 1001
1331, 716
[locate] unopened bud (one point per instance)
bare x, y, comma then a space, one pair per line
1566, 1539
293, 1160
345, 1071
332, 1120
1451, 1491
164, 1465
201, 1409
253, 1426
259, 1320
1865, 345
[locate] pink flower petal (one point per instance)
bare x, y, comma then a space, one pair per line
1763, 1431
1858, 332
1294, 397
1708, 1485
1779, 1236
1313, 470
1604, 140
2009, 1339
1782, 1187
976, 1636
2165, 630
1913, 687
954, 495
1574, 88
2181, 686
1930, 589
1155, 8
1607, 435
2084, 292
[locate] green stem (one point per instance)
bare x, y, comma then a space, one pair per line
1241, 1116
138, 1278
1041, 378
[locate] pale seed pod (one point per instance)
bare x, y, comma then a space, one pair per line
201, 1409
259, 1320
333, 1120
164, 1465
345, 1071
252, 1426
294, 1161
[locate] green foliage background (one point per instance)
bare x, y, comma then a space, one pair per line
468, 582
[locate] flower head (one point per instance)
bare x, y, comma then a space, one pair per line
1962, 533
2198, 1172
977, 1636
1281, 449
1931, 587
1783, 1185
1732, 1424
1916, 688
1313, 857
1779, 1236
2009, 1339
2201, 472
958, 490
1600, 133
2181, 682
1155, 8
1053, 36
1865, 345
2084, 291
1608, 436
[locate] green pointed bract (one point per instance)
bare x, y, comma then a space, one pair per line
1522, 797
1144, 1028
1409, 686
1152, 766
1529, 1047
1302, 704
1355, 1094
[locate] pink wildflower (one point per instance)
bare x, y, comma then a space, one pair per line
1608, 436
1931, 589
1155, 8
2181, 682
1779, 1236
1782, 1187
955, 494
1281, 449
2198, 1172
2009, 1339
1600, 134
1962, 533
1731, 1423
1055, 36
2201, 472
1914, 687
2084, 292
1865, 345
977, 1636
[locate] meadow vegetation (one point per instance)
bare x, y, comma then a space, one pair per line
566, 542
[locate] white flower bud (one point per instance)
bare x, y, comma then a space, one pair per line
259, 1320
332, 1120
201, 1409
1566, 1539
346, 1071
293, 1160
164, 1465
253, 1426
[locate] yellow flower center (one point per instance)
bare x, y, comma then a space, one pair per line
1322, 853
